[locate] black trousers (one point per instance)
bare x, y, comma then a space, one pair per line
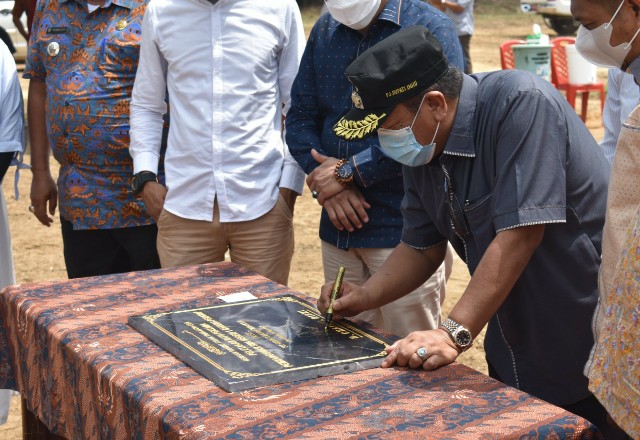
95, 252
465, 42
4, 36
5, 160
590, 409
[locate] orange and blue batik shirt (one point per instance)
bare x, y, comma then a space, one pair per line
88, 61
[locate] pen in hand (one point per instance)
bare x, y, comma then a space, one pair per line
334, 294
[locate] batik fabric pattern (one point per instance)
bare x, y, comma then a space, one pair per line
88, 62
66, 346
614, 374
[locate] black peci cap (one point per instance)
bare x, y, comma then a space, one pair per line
398, 68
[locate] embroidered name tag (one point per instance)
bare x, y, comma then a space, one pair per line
58, 30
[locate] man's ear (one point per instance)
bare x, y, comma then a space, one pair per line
437, 103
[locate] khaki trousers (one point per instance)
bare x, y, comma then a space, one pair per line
419, 310
263, 245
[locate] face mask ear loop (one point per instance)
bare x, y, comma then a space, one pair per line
436, 133
614, 15
628, 45
418, 112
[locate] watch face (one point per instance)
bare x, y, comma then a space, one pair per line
134, 183
463, 337
345, 171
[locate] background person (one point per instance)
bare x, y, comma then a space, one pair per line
361, 221
608, 37
11, 143
461, 13
524, 210
231, 183
24, 7
81, 79
623, 95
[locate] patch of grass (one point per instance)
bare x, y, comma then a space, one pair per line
497, 7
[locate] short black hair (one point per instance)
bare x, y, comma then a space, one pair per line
449, 85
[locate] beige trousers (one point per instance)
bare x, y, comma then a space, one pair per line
263, 245
419, 310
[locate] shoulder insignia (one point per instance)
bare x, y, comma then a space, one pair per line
357, 129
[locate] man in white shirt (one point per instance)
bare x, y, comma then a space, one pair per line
231, 184
623, 95
11, 142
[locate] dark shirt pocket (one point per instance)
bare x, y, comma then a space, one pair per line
479, 217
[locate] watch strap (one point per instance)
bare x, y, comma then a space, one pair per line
453, 328
139, 179
339, 178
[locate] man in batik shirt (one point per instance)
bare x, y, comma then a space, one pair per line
82, 61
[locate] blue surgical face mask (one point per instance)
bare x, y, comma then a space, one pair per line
402, 146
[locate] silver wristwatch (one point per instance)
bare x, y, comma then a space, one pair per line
460, 335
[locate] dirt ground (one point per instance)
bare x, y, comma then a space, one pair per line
38, 249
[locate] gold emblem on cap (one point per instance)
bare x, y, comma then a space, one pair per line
357, 129
356, 99
53, 49
121, 24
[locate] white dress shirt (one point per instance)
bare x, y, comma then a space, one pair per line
623, 95
228, 70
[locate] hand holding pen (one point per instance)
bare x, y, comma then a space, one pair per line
334, 294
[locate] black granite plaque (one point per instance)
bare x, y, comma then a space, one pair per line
261, 342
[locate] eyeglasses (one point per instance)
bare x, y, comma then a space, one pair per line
456, 214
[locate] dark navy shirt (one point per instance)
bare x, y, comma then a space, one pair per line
321, 95
519, 155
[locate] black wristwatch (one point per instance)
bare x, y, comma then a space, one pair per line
139, 179
460, 335
344, 172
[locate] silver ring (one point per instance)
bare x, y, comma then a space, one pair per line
422, 353
314, 194
32, 208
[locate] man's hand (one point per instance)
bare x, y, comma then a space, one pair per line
323, 179
153, 195
440, 350
290, 197
347, 209
352, 299
43, 192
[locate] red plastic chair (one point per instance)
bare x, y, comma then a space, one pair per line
560, 77
507, 59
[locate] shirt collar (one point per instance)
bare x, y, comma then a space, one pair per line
461, 138
391, 11
129, 4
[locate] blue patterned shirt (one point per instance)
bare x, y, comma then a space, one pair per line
321, 95
88, 62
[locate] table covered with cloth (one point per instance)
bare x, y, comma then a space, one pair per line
86, 374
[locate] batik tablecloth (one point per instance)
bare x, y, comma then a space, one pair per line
88, 375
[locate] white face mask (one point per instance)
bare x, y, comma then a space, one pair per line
594, 45
356, 14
